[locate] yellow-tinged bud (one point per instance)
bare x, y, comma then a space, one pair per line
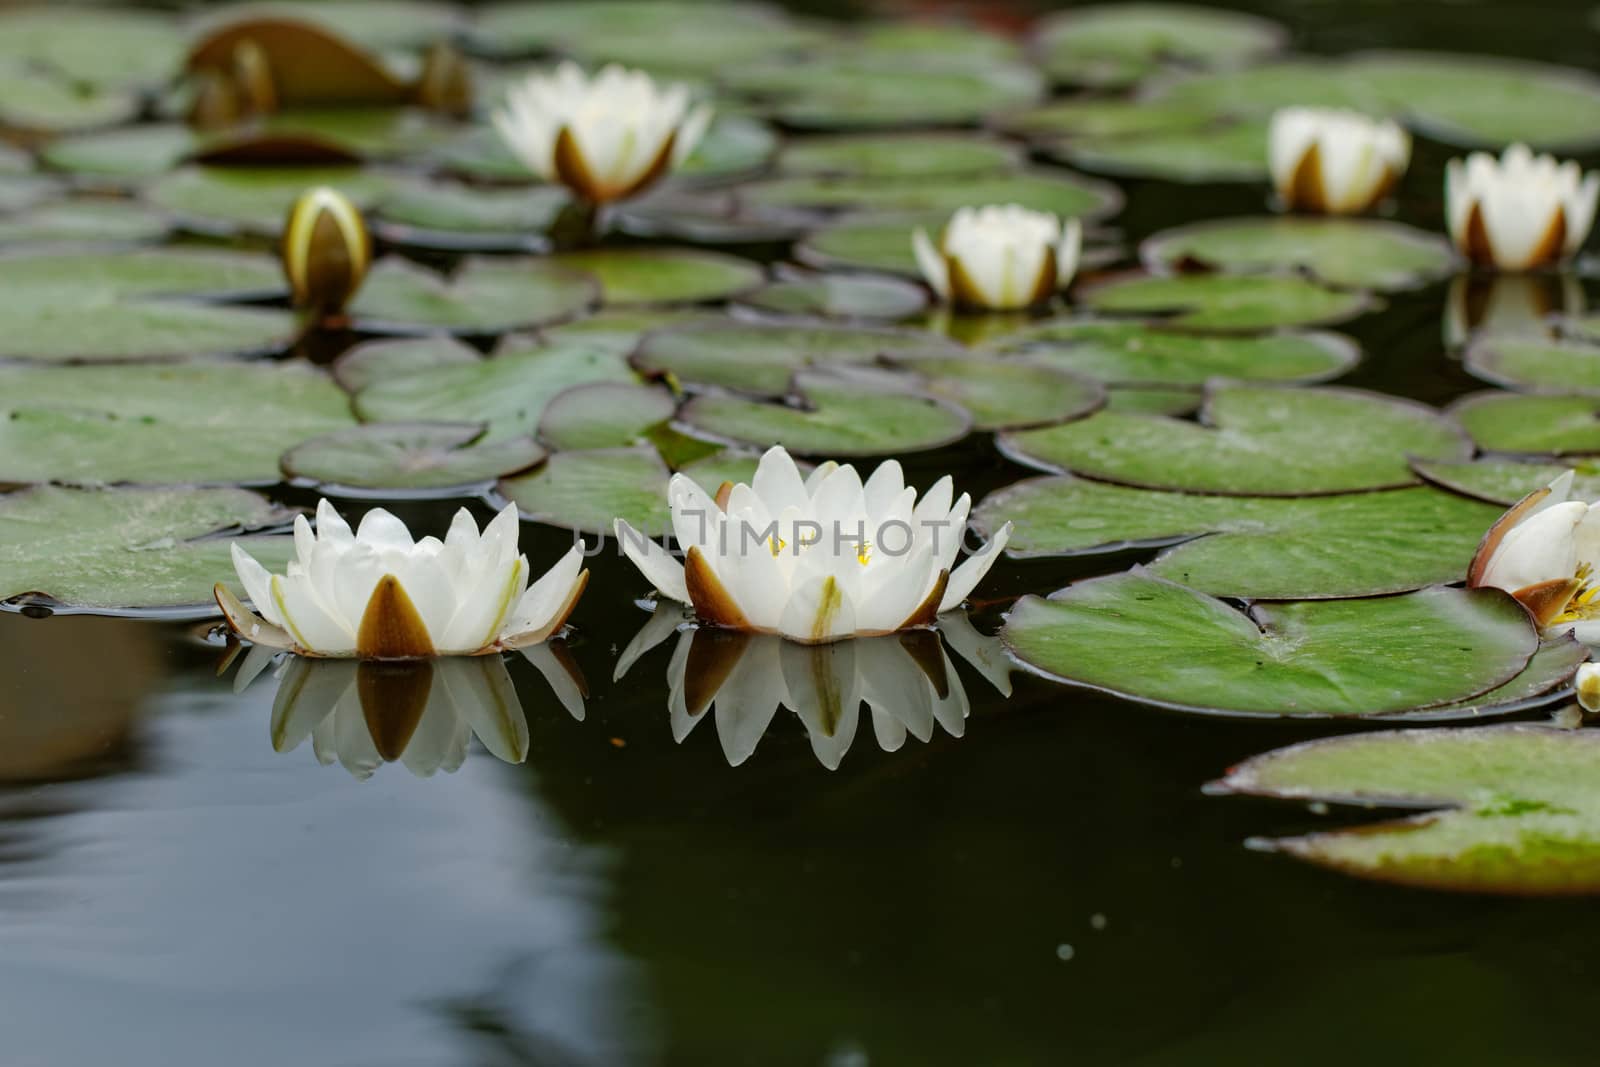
326, 250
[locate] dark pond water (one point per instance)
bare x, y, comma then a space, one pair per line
1050, 887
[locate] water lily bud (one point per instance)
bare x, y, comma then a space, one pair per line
326, 250
252, 77
1334, 162
606, 137
1587, 684
1518, 212
1000, 258
445, 83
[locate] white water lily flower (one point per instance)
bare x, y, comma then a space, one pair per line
1545, 551
1518, 212
377, 594
1334, 161
814, 559
1000, 258
606, 137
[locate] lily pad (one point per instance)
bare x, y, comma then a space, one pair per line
452, 216
331, 135
435, 458
587, 490
1540, 425
911, 200
1252, 440
1004, 394
631, 276
1105, 117
130, 153
1506, 481
483, 296
98, 46
509, 390
1136, 353
1349, 545
124, 549
380, 25
255, 200
83, 221
844, 91
1301, 81
374, 361
1115, 45
760, 359
620, 330
1535, 364
39, 102
1509, 809
898, 156
833, 417
1145, 400
604, 415
1353, 253
840, 296
879, 246
1226, 301
1223, 152
161, 424
1150, 640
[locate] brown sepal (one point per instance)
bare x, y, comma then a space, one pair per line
1496, 533
393, 698
713, 654
1546, 600
710, 598
390, 627
928, 610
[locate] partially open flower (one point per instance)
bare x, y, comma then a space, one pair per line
605, 138
1518, 212
1332, 161
814, 559
1000, 258
1545, 552
376, 594
326, 250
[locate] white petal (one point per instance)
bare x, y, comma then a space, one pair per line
657, 565
1537, 549
966, 577
546, 597
931, 262
257, 584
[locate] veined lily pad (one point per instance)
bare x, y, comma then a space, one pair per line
586, 490
1136, 353
1119, 44
412, 457
835, 418
1543, 681
1147, 639
129, 154
1227, 301
1506, 481
1542, 425
448, 215
509, 390
374, 361
483, 296
122, 549
1349, 545
1252, 440
1340, 251
1511, 809
96, 46
83, 221
1223, 152
255, 199
760, 359
898, 156
162, 424
663, 275
1535, 364
604, 415
840, 296
911, 199
1003, 394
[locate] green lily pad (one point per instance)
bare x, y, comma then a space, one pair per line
509, 390
83, 222
95, 46
878, 246
1506, 481
1543, 681
838, 418
1115, 45
620, 330
373, 361
1226, 301
1509, 809
130, 153
587, 490
841, 91
1272, 548
1542, 425
908, 155
1535, 364
1252, 440
840, 296
19, 191
911, 200
1145, 400
1302, 81
124, 549
1224, 152
663, 275
1150, 640
483, 296
1103, 118
604, 415
452, 216
332, 134
410, 457
137, 304
30, 100
255, 200
378, 25
1136, 353
1004, 394
161, 424
760, 358
1340, 251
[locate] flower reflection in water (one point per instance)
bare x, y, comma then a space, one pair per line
907, 681
422, 713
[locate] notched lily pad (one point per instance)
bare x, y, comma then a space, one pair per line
117, 550
1252, 440
1506, 481
1226, 301
482, 296
635, 276
1509, 809
1150, 640
1352, 253
1004, 394
604, 415
1532, 425
1271, 548
410, 458
374, 361
455, 217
